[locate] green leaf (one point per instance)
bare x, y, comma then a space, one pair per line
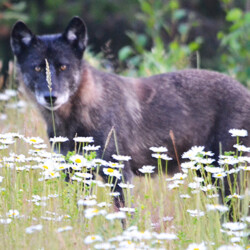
179, 14
234, 15
146, 7
174, 45
173, 5
183, 28
220, 35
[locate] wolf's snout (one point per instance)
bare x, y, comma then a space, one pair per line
50, 99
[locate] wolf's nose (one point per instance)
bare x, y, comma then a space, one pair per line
50, 99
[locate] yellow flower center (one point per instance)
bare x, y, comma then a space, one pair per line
33, 140
110, 170
61, 167
219, 175
95, 210
78, 160
114, 164
52, 174
46, 167
93, 237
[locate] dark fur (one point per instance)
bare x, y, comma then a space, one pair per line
199, 106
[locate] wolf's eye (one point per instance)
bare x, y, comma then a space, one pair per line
63, 67
38, 69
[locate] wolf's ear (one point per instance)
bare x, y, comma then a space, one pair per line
21, 37
76, 33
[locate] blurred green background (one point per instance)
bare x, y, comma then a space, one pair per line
138, 37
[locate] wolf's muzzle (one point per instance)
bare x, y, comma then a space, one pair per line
50, 99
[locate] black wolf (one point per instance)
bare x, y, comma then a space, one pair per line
198, 106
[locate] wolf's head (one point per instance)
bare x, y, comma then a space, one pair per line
63, 53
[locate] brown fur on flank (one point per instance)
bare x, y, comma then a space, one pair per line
198, 106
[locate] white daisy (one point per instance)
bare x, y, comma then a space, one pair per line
194, 185
49, 174
92, 238
127, 209
173, 185
234, 226
158, 149
147, 169
193, 152
245, 168
124, 185
59, 139
117, 215
228, 160
196, 246
162, 156
114, 194
90, 202
242, 148
185, 196
188, 165
112, 172
32, 229
238, 132
230, 247
7, 141
91, 148
217, 207
237, 196
103, 204
63, 229
213, 170
165, 236
34, 140
84, 175
195, 213
84, 139
91, 212
5, 221
178, 176
78, 159
219, 175
105, 245
121, 157
10, 92
115, 165
13, 213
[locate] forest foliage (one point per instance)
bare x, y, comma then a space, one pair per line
146, 35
